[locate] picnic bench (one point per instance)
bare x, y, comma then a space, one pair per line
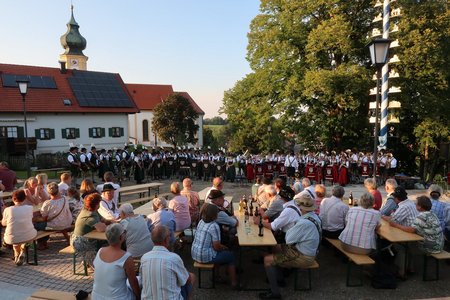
33, 244
357, 259
139, 189
46, 294
54, 171
444, 255
71, 250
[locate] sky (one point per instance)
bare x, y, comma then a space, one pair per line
197, 46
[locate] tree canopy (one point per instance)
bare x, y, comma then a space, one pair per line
311, 76
174, 121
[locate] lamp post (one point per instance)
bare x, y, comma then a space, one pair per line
379, 49
23, 87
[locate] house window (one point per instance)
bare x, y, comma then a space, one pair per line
145, 131
96, 132
45, 133
116, 132
10, 132
70, 133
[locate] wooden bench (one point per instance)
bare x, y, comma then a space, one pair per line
296, 287
70, 250
205, 267
436, 257
357, 259
33, 244
46, 294
55, 171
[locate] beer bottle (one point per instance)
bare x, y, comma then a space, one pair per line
256, 212
246, 216
350, 199
251, 208
261, 227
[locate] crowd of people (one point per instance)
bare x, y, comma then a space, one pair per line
298, 212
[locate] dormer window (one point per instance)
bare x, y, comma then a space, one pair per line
67, 102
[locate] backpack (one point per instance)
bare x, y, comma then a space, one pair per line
384, 274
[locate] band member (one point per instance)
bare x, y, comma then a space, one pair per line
74, 164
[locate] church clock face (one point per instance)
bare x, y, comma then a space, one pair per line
74, 63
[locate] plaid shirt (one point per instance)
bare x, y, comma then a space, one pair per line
202, 248
406, 213
438, 209
360, 227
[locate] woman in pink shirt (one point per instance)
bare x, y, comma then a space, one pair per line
371, 187
180, 206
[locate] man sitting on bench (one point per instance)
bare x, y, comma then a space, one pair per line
300, 250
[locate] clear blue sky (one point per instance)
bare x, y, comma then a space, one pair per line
198, 46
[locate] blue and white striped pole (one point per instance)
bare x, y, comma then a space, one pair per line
384, 80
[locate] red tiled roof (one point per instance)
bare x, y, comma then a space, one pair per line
194, 105
147, 96
49, 100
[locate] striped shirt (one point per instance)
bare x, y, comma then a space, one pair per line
438, 209
360, 227
389, 206
202, 248
406, 213
162, 274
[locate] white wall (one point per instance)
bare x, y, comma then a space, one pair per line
135, 130
57, 121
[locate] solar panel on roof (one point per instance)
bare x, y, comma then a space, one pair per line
98, 89
36, 82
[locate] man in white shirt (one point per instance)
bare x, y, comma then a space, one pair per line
163, 274
66, 180
108, 209
333, 212
108, 177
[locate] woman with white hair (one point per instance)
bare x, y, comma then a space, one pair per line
362, 222
162, 216
113, 267
371, 186
138, 238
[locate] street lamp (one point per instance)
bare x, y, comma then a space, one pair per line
23, 87
379, 49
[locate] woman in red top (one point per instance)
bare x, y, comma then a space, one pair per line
371, 187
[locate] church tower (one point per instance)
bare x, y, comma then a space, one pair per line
74, 44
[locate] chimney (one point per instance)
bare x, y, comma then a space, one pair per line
63, 67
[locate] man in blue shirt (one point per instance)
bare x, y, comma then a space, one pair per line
302, 243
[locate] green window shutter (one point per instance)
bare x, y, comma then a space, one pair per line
90, 132
52, 133
37, 133
20, 132
102, 132
63, 133
77, 132
122, 131
110, 132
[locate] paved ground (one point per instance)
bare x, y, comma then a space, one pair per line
55, 271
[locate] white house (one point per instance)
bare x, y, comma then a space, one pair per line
63, 107
146, 97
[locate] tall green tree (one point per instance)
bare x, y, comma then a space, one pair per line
174, 121
309, 61
424, 68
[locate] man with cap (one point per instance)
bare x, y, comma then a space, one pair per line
109, 178
300, 250
74, 164
406, 212
226, 221
108, 209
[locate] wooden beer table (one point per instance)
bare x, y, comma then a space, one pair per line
248, 238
